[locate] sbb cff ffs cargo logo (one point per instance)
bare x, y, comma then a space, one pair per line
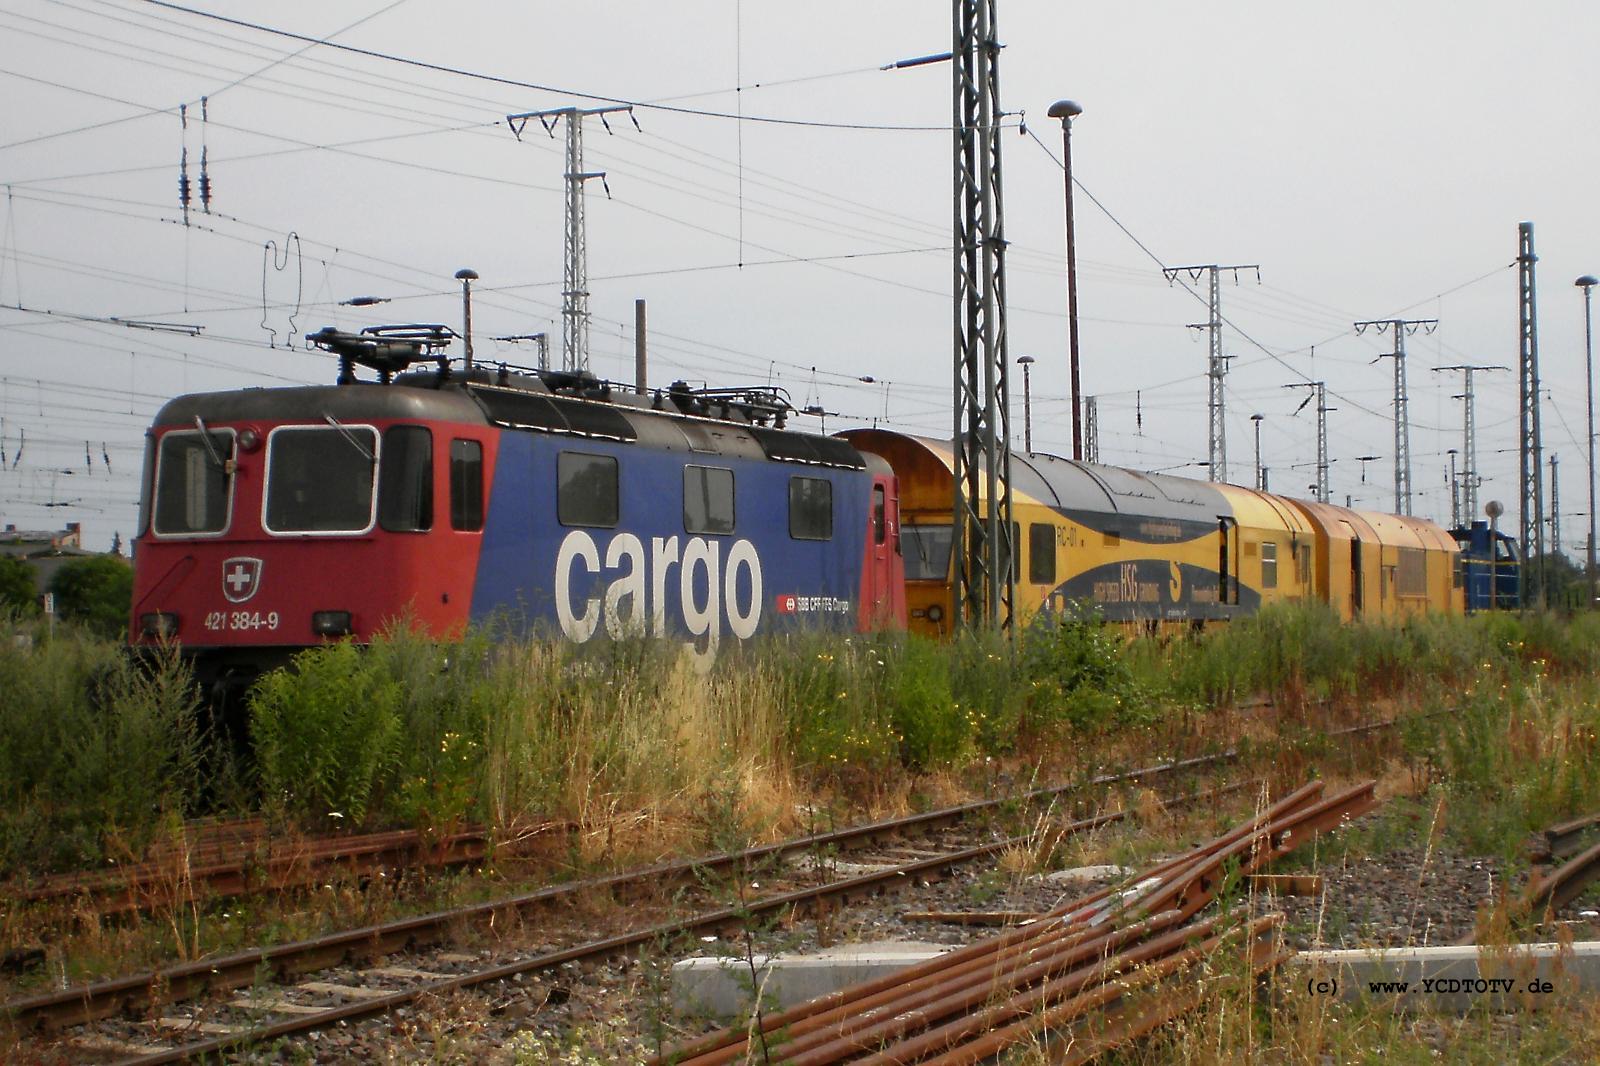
241, 577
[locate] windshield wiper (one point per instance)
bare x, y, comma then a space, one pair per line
355, 442
211, 448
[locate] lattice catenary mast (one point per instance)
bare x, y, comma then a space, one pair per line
575, 277
1555, 505
1469, 478
1217, 363
1091, 429
1402, 327
1319, 392
985, 585
1532, 492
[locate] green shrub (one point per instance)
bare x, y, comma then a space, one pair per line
16, 587
932, 726
95, 592
1079, 672
327, 734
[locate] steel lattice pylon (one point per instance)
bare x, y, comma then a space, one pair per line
575, 258
1091, 429
1216, 372
1468, 480
1319, 392
1402, 400
985, 585
1216, 362
1532, 493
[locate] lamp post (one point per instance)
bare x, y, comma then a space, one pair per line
1066, 111
466, 276
1026, 363
1587, 284
1257, 420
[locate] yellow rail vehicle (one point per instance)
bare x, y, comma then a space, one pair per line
1156, 551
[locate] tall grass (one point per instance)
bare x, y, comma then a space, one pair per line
415, 731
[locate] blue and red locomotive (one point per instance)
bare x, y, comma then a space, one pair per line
275, 519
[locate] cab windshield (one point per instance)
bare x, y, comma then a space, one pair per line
926, 549
193, 485
320, 479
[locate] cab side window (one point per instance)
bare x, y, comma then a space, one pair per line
466, 485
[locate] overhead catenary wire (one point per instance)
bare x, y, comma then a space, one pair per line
516, 83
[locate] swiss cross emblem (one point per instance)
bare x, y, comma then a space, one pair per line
240, 578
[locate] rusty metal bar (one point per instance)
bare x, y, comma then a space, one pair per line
1141, 962
1188, 879
1048, 1009
1124, 1024
728, 1044
1550, 892
1564, 839
1187, 890
869, 1029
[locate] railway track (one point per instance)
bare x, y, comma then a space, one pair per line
250, 862
297, 1006
247, 1018
300, 1006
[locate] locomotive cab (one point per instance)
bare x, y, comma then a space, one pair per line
266, 530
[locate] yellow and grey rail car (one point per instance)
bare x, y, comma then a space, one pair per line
1153, 550
1375, 565
1147, 549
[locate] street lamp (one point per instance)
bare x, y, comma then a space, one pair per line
1257, 420
1026, 362
466, 276
1587, 284
1066, 111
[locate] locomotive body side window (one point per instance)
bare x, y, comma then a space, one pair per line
880, 508
193, 487
405, 484
1269, 564
320, 479
707, 499
810, 508
586, 489
1041, 553
466, 485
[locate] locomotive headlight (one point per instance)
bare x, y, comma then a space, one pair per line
249, 439
162, 625
935, 613
331, 623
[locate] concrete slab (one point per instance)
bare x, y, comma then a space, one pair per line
721, 986
1080, 874
1452, 978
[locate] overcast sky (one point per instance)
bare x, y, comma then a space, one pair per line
1373, 158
